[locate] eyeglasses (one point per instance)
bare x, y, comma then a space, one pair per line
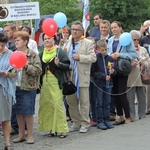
77, 30
136, 40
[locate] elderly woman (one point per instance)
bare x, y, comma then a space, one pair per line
27, 84
55, 63
134, 84
7, 89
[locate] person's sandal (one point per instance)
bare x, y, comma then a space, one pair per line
7, 147
62, 136
18, 140
30, 140
52, 134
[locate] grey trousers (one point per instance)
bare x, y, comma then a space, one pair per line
148, 97
141, 99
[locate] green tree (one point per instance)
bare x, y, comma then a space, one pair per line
131, 13
68, 7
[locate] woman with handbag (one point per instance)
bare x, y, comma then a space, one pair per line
55, 63
120, 81
135, 85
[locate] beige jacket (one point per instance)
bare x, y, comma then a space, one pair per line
87, 56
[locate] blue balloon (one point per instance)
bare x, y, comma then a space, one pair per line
125, 39
1, 29
60, 19
149, 29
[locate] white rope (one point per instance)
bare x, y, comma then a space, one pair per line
126, 90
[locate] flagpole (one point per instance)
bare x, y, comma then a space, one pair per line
31, 24
84, 33
86, 16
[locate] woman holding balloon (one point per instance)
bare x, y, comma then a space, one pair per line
7, 89
51, 112
55, 63
27, 83
120, 45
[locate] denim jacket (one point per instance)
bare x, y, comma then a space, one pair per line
126, 51
31, 73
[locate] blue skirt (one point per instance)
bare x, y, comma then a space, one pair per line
25, 102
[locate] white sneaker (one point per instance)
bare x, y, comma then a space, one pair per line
73, 128
83, 130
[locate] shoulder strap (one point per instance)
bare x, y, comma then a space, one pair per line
66, 75
57, 52
40, 54
120, 49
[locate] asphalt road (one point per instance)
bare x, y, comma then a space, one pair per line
133, 136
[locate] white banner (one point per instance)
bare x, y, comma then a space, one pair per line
86, 15
19, 11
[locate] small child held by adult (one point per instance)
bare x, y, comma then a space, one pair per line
101, 71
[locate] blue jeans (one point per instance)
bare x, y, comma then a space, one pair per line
103, 104
92, 92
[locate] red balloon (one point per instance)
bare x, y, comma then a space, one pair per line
18, 59
49, 27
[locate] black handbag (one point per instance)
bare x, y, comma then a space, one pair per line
123, 66
68, 87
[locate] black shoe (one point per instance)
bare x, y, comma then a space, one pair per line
119, 123
148, 113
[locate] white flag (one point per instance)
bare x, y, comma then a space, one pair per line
86, 15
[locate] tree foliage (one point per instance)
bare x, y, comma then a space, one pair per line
68, 7
131, 13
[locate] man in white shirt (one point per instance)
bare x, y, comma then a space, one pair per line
32, 43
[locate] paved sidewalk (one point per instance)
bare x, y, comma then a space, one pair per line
133, 136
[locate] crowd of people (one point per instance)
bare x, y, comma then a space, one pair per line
102, 96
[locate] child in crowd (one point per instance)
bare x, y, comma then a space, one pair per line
101, 71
